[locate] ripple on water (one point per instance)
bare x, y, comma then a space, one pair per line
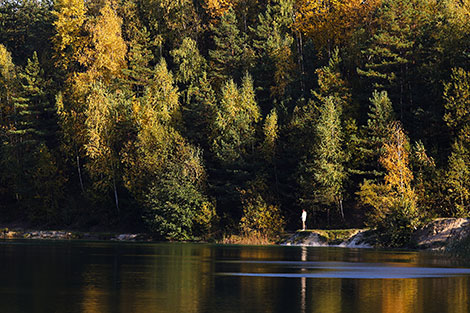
345, 270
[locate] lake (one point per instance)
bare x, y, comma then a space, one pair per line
105, 277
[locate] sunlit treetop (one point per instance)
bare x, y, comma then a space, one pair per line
217, 8
330, 23
6, 65
70, 18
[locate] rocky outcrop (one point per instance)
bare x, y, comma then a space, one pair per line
357, 238
6, 233
442, 233
361, 239
301, 238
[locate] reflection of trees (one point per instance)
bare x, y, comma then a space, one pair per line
303, 283
182, 278
92, 301
37, 277
160, 278
453, 293
254, 291
413, 295
104, 278
458, 296
326, 296
390, 295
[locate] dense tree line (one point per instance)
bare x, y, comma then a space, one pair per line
201, 117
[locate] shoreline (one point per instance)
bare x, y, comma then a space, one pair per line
343, 238
19, 233
442, 234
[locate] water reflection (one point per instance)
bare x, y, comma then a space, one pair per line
154, 278
303, 282
165, 278
353, 271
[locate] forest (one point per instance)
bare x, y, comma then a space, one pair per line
200, 118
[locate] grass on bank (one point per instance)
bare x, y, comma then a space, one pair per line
253, 238
332, 236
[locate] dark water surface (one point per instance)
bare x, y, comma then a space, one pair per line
39, 276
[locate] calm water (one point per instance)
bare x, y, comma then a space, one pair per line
145, 278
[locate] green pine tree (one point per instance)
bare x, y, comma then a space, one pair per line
200, 112
32, 106
331, 83
458, 180
233, 145
390, 51
375, 132
323, 178
138, 73
457, 103
235, 123
275, 68
27, 27
32, 168
456, 97
230, 57
321, 173
171, 21
191, 64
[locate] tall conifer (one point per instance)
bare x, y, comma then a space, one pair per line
329, 172
375, 132
227, 58
33, 109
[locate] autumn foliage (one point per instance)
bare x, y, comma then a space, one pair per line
394, 202
193, 119
331, 23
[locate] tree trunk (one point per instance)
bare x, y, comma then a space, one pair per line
341, 208
301, 61
80, 173
328, 217
275, 176
116, 199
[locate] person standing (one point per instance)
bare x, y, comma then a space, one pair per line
304, 218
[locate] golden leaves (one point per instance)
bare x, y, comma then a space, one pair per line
397, 192
98, 123
396, 160
331, 22
217, 8
93, 42
271, 134
163, 95
6, 65
106, 58
68, 41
